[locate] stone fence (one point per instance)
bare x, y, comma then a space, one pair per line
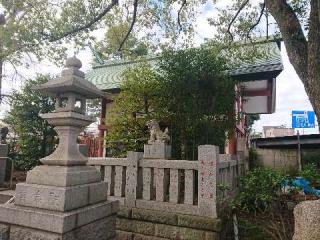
177, 186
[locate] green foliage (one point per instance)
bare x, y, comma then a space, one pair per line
311, 173
249, 231
262, 209
129, 131
114, 36
250, 119
258, 190
35, 137
247, 26
186, 91
253, 159
199, 98
309, 156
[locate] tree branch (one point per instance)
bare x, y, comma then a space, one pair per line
179, 13
87, 25
235, 17
292, 33
258, 21
134, 17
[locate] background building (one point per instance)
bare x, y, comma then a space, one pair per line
277, 131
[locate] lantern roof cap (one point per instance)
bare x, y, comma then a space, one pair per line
72, 80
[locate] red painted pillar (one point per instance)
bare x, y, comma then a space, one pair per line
101, 127
232, 143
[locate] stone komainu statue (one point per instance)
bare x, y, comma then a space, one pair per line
3, 134
156, 135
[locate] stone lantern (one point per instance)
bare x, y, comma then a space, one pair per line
70, 91
64, 198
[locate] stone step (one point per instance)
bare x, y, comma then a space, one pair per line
5, 195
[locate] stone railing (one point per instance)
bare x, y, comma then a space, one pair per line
230, 167
179, 186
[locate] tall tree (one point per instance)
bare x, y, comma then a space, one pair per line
46, 28
43, 28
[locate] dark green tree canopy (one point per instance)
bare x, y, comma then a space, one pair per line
35, 137
186, 91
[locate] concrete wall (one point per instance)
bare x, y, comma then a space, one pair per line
286, 159
277, 158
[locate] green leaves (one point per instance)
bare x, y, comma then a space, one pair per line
35, 137
258, 190
186, 91
310, 172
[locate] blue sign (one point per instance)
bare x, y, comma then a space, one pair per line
303, 119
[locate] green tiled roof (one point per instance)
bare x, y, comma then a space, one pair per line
108, 75
269, 63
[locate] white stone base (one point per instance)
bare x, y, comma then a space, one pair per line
25, 219
157, 151
103, 229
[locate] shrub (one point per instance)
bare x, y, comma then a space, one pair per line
258, 189
261, 205
311, 174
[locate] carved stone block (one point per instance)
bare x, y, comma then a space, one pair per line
157, 151
60, 198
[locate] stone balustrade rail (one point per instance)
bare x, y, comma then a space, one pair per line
179, 186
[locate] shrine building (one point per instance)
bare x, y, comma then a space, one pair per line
256, 77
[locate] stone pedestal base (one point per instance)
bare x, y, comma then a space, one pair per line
157, 151
95, 222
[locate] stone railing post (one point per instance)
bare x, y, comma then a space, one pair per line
3, 162
132, 178
207, 180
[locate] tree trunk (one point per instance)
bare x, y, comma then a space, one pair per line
303, 54
313, 82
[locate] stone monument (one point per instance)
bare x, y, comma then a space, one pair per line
158, 146
3, 162
64, 199
307, 220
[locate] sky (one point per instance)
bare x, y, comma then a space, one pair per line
290, 93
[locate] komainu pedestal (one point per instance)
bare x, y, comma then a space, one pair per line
158, 146
64, 199
157, 151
